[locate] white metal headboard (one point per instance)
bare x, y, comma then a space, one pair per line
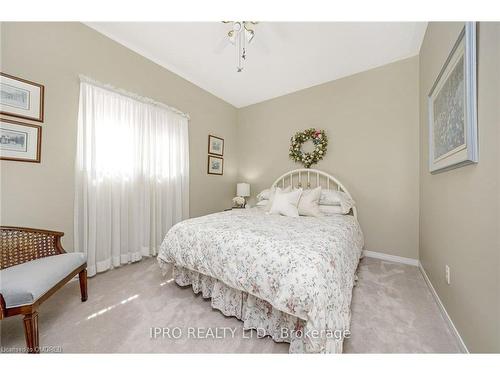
311, 178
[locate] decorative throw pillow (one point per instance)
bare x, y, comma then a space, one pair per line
308, 203
330, 198
273, 192
262, 203
264, 195
336, 198
286, 203
331, 210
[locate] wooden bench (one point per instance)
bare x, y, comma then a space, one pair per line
33, 266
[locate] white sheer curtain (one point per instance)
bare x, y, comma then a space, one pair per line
132, 175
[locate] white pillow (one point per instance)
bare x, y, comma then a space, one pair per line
264, 195
336, 198
308, 203
286, 203
331, 210
262, 203
330, 197
273, 192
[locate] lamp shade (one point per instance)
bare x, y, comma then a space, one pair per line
242, 189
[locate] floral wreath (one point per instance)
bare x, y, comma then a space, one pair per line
319, 140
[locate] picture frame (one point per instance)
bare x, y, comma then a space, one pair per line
21, 98
20, 141
452, 107
215, 145
215, 165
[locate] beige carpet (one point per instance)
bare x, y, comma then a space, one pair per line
393, 311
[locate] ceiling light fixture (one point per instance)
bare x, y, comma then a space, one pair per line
240, 36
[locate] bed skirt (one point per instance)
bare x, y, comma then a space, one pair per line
254, 312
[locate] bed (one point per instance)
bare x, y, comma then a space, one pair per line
288, 278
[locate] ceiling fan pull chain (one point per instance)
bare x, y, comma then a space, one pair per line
239, 36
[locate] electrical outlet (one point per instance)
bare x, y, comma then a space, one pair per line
447, 274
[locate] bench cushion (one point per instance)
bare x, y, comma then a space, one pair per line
23, 284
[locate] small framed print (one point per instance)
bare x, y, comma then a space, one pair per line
20, 141
215, 165
215, 145
452, 107
21, 98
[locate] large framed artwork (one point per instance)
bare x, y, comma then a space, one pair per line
215, 165
21, 98
215, 145
452, 107
20, 141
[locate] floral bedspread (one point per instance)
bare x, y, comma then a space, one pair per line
302, 266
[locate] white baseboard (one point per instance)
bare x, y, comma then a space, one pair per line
444, 313
391, 258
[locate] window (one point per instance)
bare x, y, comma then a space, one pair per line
132, 175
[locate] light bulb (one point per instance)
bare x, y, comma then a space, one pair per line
237, 26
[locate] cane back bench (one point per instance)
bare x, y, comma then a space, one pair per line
33, 266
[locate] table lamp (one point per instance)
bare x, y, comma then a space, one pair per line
243, 190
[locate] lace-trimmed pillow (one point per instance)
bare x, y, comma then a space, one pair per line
331, 210
264, 195
286, 203
308, 203
336, 198
263, 203
272, 194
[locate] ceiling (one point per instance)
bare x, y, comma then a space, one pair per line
284, 56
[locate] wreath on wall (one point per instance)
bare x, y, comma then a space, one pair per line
319, 140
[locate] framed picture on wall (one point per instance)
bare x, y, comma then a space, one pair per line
215, 165
21, 98
20, 141
215, 145
452, 107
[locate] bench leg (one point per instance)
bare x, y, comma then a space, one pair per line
31, 332
83, 284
